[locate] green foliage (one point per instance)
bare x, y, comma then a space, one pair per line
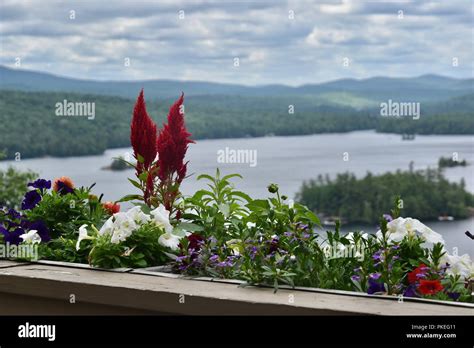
219, 210
206, 117
426, 195
446, 123
64, 214
12, 186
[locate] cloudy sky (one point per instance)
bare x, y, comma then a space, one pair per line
290, 42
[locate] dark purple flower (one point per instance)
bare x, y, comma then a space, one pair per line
41, 184
12, 237
32, 198
395, 247
288, 234
357, 270
410, 291
454, 295
13, 214
63, 188
41, 229
375, 287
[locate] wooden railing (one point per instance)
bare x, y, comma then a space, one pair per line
39, 288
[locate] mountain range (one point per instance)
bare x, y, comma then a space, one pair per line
348, 92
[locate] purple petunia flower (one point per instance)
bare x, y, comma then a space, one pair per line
375, 287
32, 198
12, 237
454, 295
63, 188
41, 184
357, 270
42, 230
13, 214
288, 233
410, 291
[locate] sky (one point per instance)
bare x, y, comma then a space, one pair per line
245, 42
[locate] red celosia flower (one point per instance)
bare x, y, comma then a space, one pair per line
413, 276
429, 287
143, 135
111, 207
172, 144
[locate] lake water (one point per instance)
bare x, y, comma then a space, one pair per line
288, 161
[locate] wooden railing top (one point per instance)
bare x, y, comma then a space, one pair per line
172, 295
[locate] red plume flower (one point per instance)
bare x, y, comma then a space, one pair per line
143, 135
172, 144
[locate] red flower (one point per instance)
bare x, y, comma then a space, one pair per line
429, 287
172, 144
413, 276
111, 207
143, 135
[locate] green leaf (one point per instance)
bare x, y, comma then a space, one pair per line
188, 226
135, 183
130, 198
140, 158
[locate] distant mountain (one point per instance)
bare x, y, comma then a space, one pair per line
345, 92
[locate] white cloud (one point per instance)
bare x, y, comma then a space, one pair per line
272, 47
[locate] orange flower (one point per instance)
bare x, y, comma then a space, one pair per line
111, 207
63, 185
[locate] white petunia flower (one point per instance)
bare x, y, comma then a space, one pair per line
120, 235
402, 227
162, 218
251, 224
108, 227
82, 235
138, 215
124, 222
458, 265
169, 240
31, 237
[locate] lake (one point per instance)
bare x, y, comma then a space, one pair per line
287, 161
